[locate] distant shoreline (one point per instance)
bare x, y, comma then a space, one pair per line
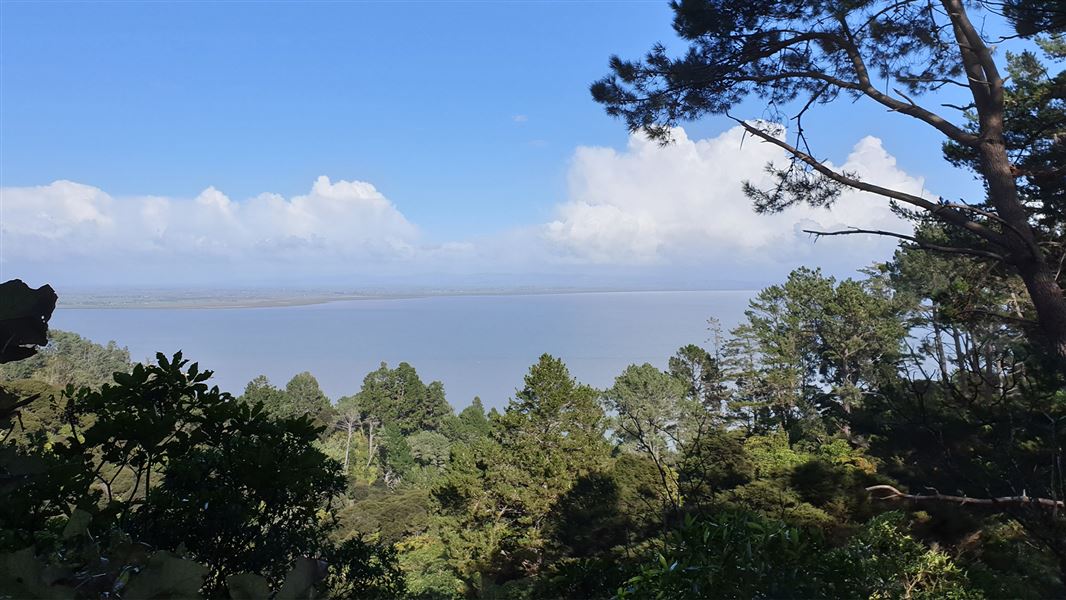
89, 301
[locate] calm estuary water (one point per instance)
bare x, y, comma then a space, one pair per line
476, 345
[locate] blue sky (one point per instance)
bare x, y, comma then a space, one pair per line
468, 117
418, 98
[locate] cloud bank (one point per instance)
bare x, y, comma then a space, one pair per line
643, 213
67, 219
683, 203
68, 225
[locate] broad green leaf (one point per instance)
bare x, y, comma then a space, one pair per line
167, 577
77, 524
247, 586
23, 577
299, 583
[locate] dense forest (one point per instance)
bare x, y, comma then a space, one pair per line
895, 435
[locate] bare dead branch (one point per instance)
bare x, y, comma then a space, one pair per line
1002, 501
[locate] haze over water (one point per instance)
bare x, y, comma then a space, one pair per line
476, 345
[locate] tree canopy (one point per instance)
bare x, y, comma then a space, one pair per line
799, 54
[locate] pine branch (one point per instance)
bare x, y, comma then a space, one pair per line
920, 243
947, 214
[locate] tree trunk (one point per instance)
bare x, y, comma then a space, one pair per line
348, 446
370, 446
1050, 305
1024, 253
1027, 258
938, 345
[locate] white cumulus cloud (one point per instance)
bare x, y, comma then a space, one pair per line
66, 222
684, 204
646, 215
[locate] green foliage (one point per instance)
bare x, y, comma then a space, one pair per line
360, 450
260, 391
701, 374
387, 516
227, 488
939, 370
227, 476
551, 434
399, 398
360, 570
735, 555
40, 414
586, 520
651, 409
303, 396
714, 462
497, 494
70, 359
1035, 115
1006, 564
475, 518
396, 457
247, 500
171, 577
429, 448
423, 559
772, 454
731, 556
247, 586
470, 425
157, 576
639, 495
38, 487
884, 561
586, 578
812, 347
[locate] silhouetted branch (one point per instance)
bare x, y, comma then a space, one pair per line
910, 238
950, 215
